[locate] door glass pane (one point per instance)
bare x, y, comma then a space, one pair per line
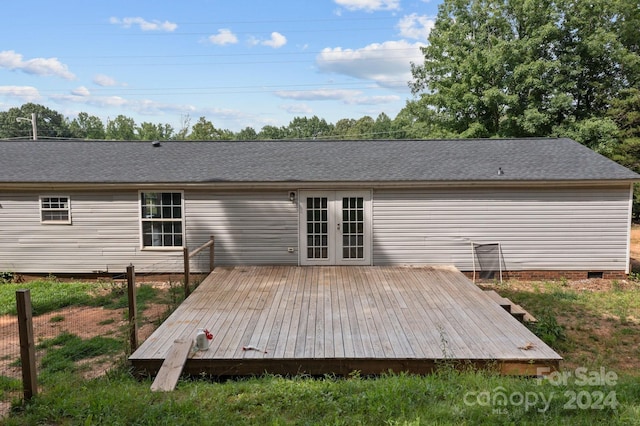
317, 227
353, 228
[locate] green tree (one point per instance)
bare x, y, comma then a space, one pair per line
383, 127
246, 134
308, 128
204, 130
185, 124
524, 67
154, 132
87, 126
363, 128
342, 128
269, 132
596, 62
598, 133
121, 128
49, 123
464, 67
625, 111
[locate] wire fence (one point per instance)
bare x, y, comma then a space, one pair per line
84, 327
79, 327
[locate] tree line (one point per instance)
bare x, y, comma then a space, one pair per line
52, 124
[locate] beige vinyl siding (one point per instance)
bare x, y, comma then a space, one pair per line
104, 236
552, 228
538, 228
250, 228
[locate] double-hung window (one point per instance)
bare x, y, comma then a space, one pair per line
55, 210
162, 219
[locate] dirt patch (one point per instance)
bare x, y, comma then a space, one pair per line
592, 285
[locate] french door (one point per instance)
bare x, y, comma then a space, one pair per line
335, 227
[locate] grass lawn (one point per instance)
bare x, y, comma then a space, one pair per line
594, 325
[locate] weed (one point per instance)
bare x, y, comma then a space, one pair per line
9, 384
548, 329
57, 318
634, 276
564, 282
616, 286
118, 298
622, 309
64, 350
52, 278
444, 343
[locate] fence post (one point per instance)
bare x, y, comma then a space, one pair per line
133, 308
187, 290
27, 348
211, 252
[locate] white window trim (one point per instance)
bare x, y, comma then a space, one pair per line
55, 222
140, 221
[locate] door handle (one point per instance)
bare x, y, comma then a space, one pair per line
338, 227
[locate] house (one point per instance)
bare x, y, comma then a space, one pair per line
554, 207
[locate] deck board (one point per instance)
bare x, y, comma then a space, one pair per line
339, 319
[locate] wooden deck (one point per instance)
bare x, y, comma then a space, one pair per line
319, 320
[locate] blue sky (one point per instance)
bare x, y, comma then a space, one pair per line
237, 63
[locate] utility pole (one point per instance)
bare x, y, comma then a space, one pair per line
34, 124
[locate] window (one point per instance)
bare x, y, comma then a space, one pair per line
55, 210
161, 219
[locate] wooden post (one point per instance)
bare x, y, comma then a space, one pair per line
133, 309
187, 290
211, 252
27, 348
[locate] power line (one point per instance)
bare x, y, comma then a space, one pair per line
232, 55
57, 24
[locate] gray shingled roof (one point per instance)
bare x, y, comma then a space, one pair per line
304, 161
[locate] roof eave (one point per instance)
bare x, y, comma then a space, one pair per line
288, 185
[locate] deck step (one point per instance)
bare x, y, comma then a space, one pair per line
516, 310
502, 301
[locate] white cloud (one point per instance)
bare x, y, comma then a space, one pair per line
142, 106
416, 26
373, 100
104, 80
224, 36
81, 91
26, 93
37, 66
369, 5
388, 64
297, 109
318, 95
277, 40
144, 25
349, 97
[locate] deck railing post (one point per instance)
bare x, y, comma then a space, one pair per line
211, 252
187, 290
27, 347
133, 317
